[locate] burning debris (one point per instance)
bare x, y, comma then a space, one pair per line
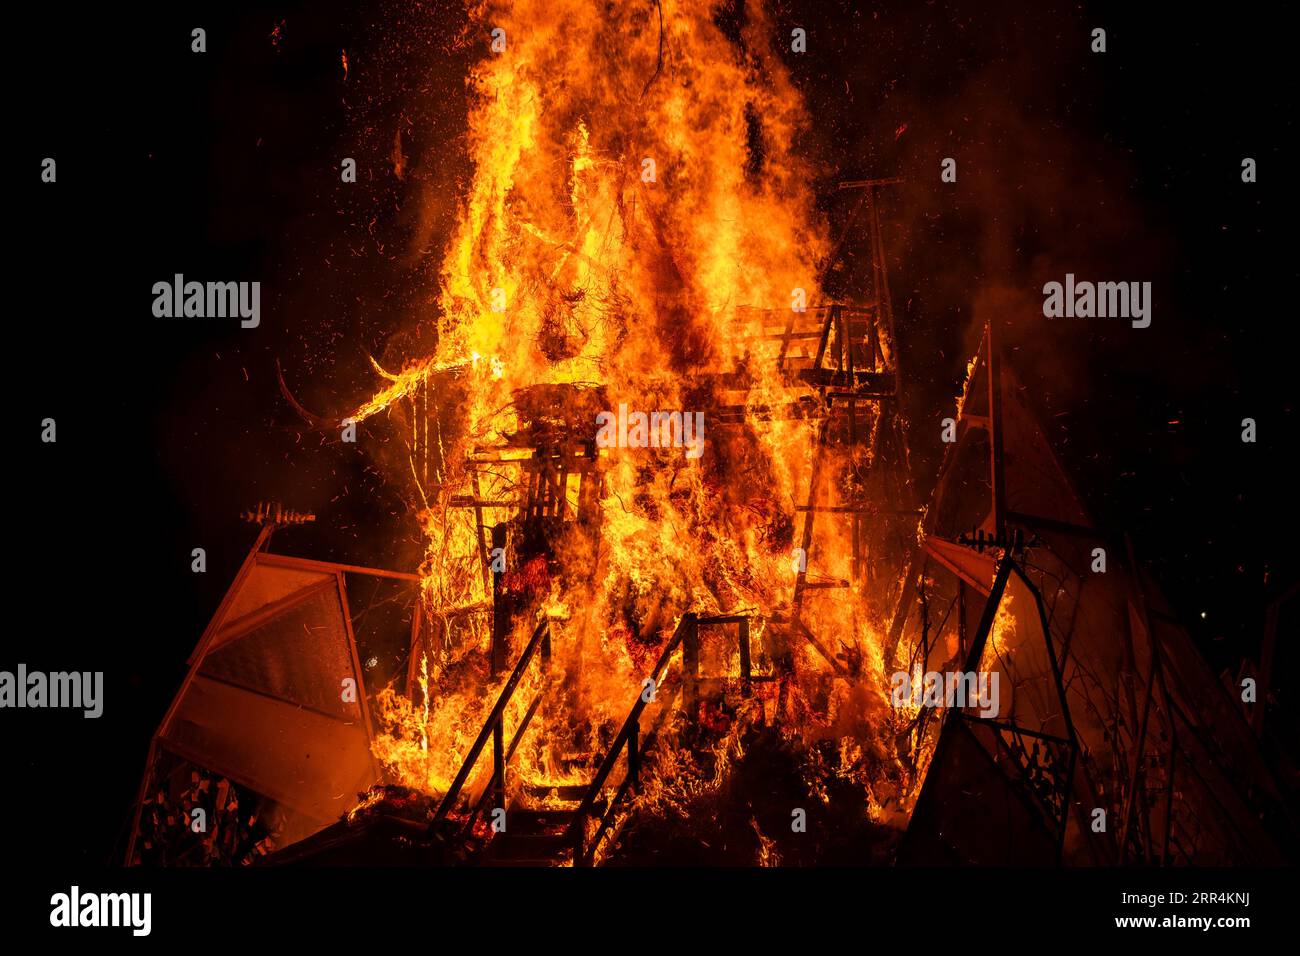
198, 821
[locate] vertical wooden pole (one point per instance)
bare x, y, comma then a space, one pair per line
476, 490
499, 761
500, 611
746, 669
691, 668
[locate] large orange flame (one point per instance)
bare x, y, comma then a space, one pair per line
638, 197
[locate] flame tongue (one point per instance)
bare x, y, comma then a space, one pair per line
636, 201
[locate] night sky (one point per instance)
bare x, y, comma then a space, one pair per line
1122, 166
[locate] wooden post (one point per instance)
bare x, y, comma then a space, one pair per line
579, 838
634, 758
479, 529
746, 675
500, 612
499, 761
691, 669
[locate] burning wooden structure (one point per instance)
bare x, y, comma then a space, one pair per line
599, 640
1118, 745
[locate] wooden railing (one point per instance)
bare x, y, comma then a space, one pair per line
633, 746
495, 728
627, 742
630, 744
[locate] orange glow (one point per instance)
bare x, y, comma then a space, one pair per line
627, 234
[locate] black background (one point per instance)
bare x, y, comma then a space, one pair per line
224, 166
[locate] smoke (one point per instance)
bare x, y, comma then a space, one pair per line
1042, 188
